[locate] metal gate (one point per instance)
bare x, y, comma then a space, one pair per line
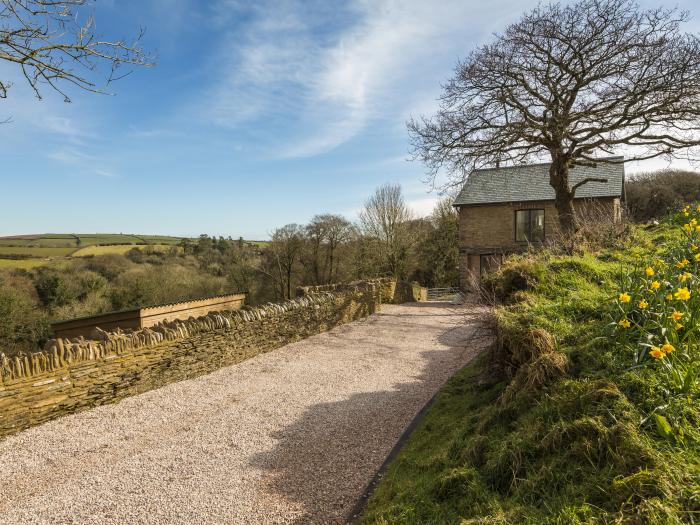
444, 294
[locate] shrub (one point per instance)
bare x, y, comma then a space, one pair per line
654, 195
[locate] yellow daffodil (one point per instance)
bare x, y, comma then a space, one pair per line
678, 326
668, 348
655, 285
697, 229
682, 294
682, 264
684, 276
697, 208
697, 255
649, 271
656, 352
624, 323
694, 248
643, 304
669, 297
625, 297
676, 315
693, 222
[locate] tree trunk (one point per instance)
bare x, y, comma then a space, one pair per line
563, 196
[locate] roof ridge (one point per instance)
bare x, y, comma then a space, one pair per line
538, 164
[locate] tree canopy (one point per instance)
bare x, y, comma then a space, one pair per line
574, 84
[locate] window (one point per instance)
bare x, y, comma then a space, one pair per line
489, 262
529, 225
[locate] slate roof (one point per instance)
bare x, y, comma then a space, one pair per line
531, 183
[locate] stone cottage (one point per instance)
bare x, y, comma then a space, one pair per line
505, 210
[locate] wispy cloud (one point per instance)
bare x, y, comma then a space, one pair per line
325, 87
65, 127
82, 164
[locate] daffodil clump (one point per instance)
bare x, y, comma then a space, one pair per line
657, 309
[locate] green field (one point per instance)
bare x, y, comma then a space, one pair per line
54, 247
21, 263
42, 251
80, 240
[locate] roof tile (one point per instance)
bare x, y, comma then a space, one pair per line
531, 183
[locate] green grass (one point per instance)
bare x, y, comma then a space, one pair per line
561, 434
22, 263
35, 251
62, 240
119, 248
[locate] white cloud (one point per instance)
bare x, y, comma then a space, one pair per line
82, 164
63, 126
326, 86
424, 206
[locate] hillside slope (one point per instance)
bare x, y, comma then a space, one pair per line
573, 418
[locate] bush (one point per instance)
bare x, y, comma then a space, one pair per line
654, 195
23, 325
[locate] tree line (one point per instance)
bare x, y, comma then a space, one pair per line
387, 240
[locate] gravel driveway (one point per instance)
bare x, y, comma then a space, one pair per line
291, 436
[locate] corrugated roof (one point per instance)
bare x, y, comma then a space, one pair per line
531, 183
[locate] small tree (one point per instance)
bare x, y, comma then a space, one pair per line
570, 83
325, 234
438, 251
282, 256
385, 218
54, 45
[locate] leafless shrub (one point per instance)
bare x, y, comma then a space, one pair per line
599, 227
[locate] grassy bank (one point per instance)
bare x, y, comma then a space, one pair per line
569, 419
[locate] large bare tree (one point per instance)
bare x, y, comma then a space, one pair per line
54, 45
571, 84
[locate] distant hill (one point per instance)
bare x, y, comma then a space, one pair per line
81, 240
28, 251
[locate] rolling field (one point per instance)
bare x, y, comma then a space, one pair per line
45, 248
40, 251
50, 248
119, 248
22, 263
80, 240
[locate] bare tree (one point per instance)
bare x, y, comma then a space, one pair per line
385, 218
284, 251
54, 45
325, 233
570, 83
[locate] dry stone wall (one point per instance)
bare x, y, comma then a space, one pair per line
73, 375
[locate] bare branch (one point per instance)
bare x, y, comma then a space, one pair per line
52, 47
586, 181
569, 83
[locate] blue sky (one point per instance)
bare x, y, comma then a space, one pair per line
257, 114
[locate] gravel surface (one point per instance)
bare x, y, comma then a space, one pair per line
291, 436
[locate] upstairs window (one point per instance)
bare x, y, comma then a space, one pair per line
529, 225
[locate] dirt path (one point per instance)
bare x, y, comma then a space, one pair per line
291, 436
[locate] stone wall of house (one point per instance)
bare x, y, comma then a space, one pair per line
490, 228
73, 375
